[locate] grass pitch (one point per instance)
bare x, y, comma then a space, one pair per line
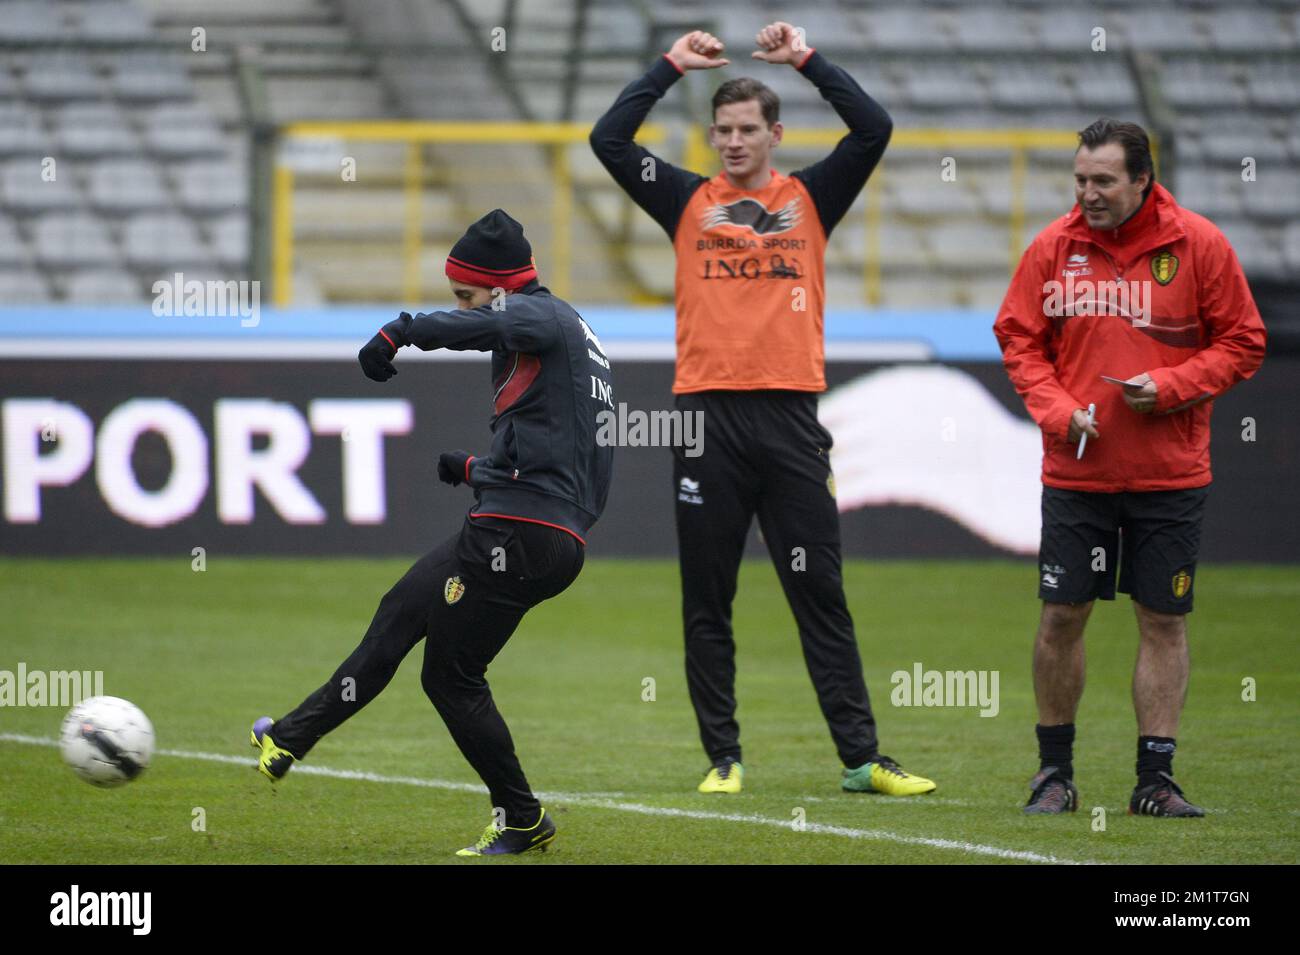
205, 653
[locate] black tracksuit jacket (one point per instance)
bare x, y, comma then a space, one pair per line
550, 379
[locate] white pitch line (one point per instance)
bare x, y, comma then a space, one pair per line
600, 801
926, 800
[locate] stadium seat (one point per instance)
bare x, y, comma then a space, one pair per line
923, 193
23, 285
968, 247
1045, 194
1274, 196
1291, 247
12, 249
23, 188
1208, 191
98, 129
72, 239
147, 77
993, 29
60, 75
952, 85
615, 28
181, 130
1065, 30
25, 22
1228, 144
923, 292
126, 185
901, 247
319, 96
21, 132
1246, 28
1273, 84
1161, 26
1193, 84
102, 287
110, 20
211, 186
1106, 86
1019, 85
987, 293
913, 29
163, 239
1253, 244
230, 240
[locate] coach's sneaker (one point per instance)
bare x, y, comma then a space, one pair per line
1162, 799
883, 775
723, 778
507, 841
274, 761
1051, 793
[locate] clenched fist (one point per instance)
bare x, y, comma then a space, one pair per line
697, 50
780, 43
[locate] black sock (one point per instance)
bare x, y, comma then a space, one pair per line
523, 818
1056, 748
1155, 756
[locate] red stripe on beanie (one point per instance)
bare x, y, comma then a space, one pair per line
490, 278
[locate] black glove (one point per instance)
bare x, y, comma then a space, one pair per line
453, 467
377, 355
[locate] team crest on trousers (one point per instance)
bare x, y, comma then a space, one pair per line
1164, 266
453, 590
1182, 583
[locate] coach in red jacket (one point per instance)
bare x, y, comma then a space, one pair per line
1133, 287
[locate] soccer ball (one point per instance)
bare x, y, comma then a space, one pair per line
106, 740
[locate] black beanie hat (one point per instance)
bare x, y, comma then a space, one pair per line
493, 253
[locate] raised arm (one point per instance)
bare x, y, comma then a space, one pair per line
519, 327
835, 181
657, 186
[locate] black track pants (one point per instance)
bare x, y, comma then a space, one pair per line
468, 595
765, 453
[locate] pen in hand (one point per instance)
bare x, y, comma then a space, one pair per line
1083, 438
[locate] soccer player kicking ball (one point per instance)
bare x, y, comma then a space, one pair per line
750, 247
538, 490
1134, 288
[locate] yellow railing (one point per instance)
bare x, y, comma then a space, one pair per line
558, 138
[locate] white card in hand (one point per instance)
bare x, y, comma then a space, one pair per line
1131, 383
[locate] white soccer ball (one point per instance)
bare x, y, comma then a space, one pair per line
106, 740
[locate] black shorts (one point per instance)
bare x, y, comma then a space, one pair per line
1153, 537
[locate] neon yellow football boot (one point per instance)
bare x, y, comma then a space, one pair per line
508, 841
273, 762
883, 775
723, 778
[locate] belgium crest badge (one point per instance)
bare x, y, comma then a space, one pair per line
453, 590
1164, 266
